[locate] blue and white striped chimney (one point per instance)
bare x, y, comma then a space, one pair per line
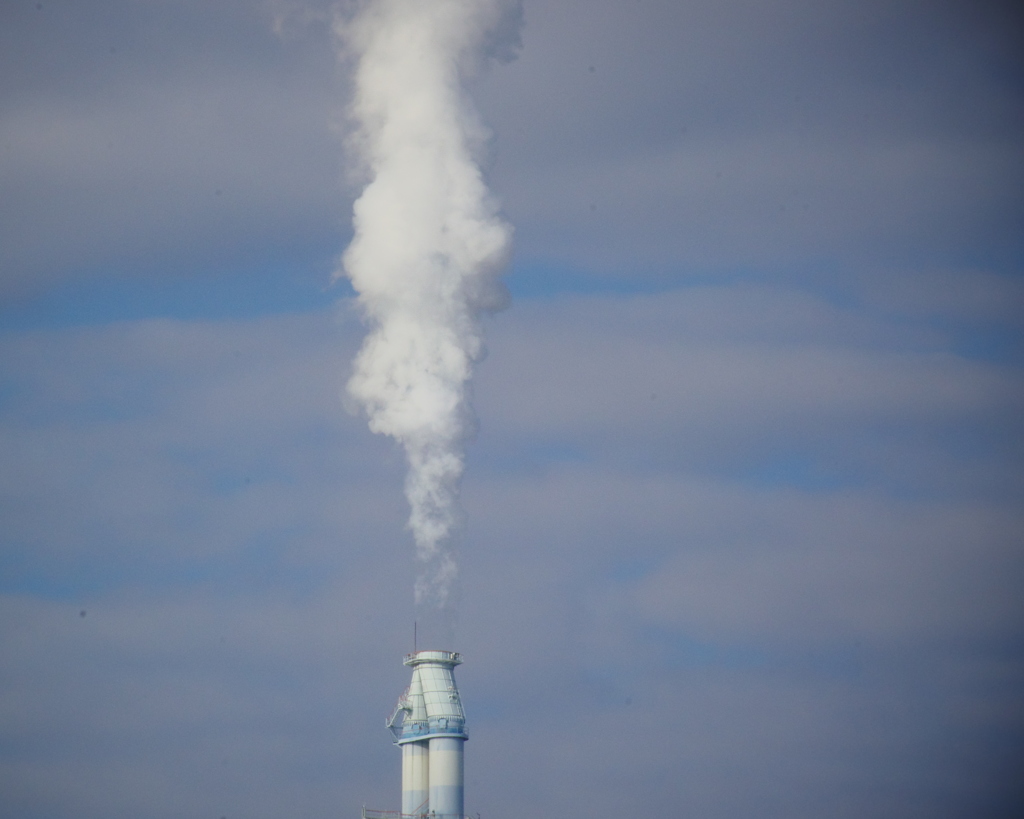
430, 727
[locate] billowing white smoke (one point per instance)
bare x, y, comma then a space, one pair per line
427, 250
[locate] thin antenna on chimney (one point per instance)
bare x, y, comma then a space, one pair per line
413, 636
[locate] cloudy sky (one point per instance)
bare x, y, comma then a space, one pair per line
744, 512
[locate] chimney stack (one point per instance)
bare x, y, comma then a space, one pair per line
429, 725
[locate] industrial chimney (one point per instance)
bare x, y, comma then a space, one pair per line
428, 724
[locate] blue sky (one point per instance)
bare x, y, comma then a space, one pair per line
744, 528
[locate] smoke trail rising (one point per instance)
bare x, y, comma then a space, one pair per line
427, 251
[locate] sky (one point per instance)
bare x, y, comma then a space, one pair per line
744, 508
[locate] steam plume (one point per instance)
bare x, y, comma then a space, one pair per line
427, 250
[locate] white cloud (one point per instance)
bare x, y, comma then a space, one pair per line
670, 139
172, 141
747, 380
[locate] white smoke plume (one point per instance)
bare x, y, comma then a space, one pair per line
427, 251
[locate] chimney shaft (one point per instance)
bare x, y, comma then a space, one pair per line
429, 725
